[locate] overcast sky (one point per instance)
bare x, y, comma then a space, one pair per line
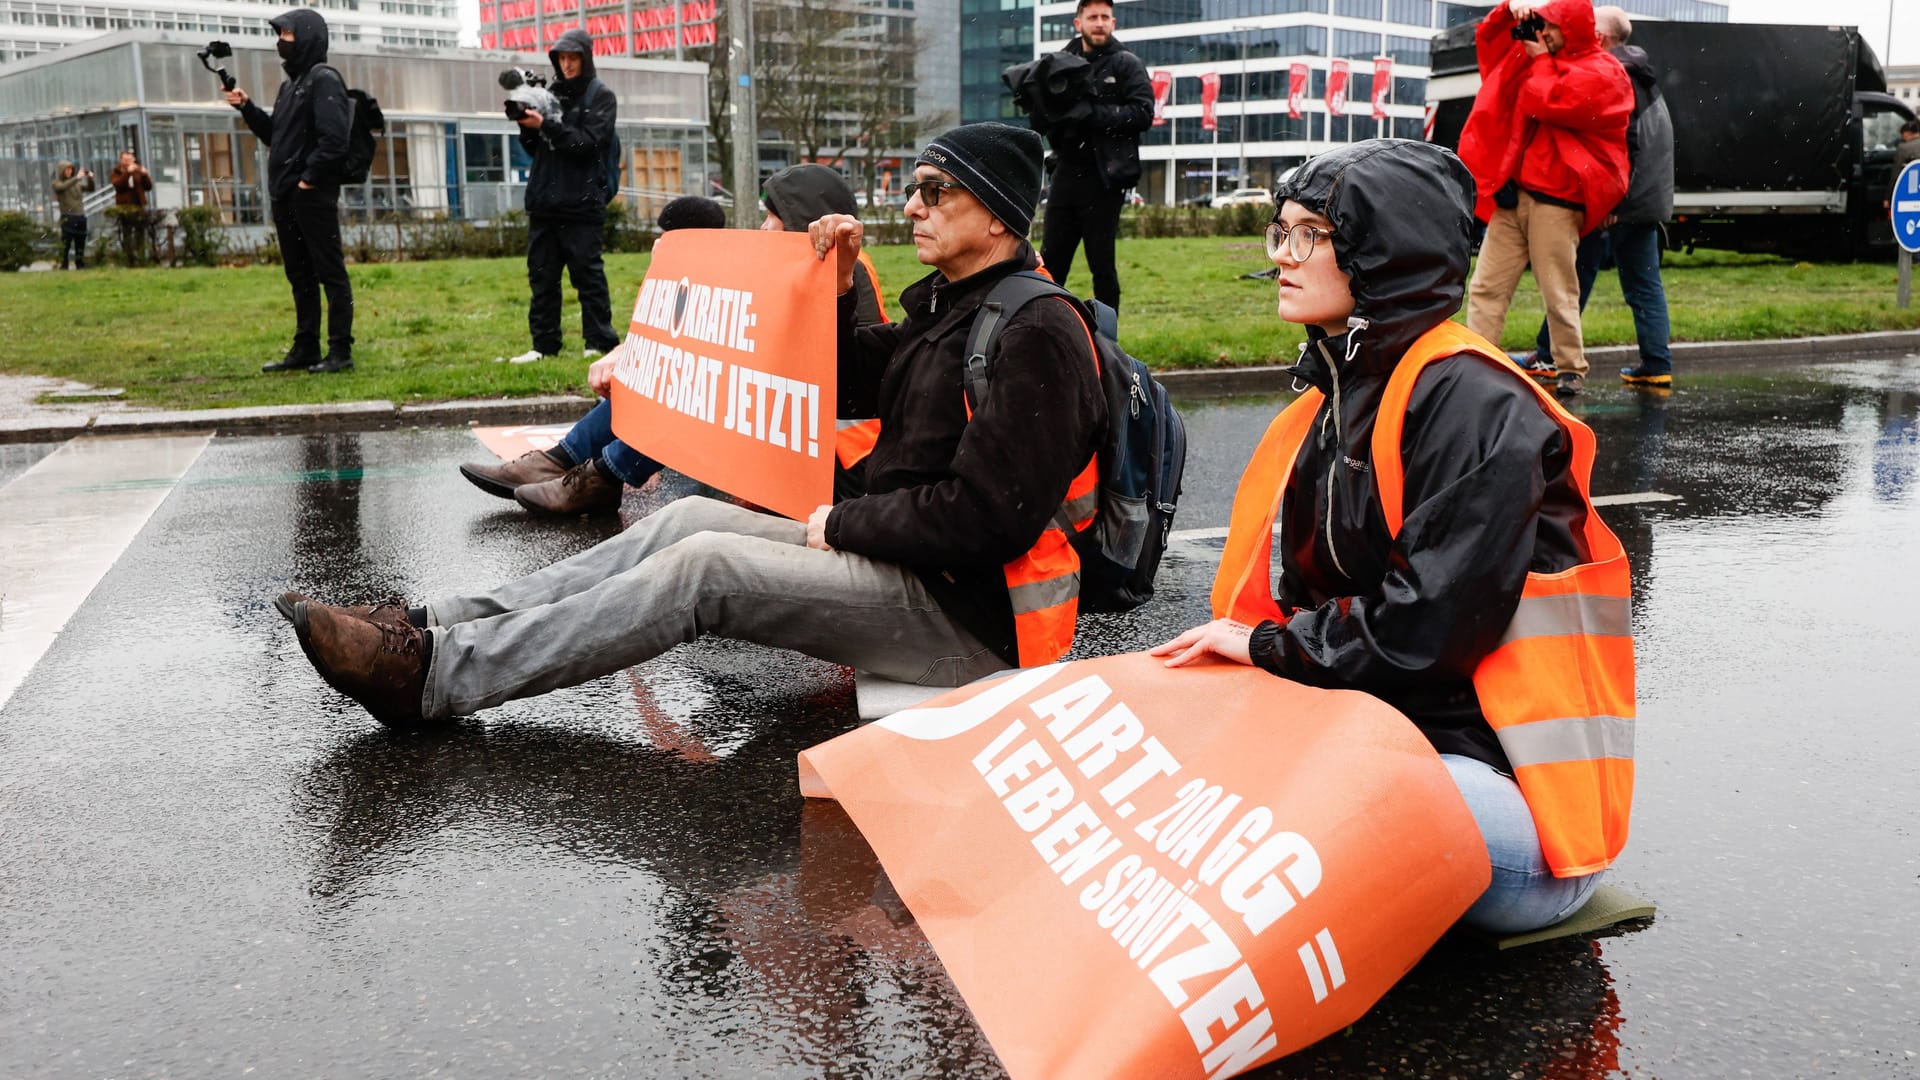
1869, 15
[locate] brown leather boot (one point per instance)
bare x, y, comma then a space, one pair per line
584, 489
501, 477
391, 610
381, 665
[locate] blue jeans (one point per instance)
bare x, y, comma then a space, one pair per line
593, 437
1636, 255
1524, 895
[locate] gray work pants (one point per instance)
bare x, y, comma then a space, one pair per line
697, 566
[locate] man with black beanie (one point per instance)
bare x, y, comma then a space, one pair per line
567, 196
951, 566
1096, 145
307, 138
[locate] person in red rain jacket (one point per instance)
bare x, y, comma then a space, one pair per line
1547, 145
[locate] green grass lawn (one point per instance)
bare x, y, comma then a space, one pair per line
429, 331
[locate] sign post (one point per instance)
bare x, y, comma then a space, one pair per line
1906, 226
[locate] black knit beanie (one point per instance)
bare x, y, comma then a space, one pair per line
692, 212
998, 163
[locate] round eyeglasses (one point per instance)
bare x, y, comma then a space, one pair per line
1296, 240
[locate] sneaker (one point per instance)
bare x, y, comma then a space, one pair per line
502, 477
391, 610
1532, 365
592, 354
297, 359
381, 665
332, 364
1646, 376
527, 357
583, 490
1569, 384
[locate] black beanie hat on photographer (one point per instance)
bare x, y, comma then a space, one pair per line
999, 164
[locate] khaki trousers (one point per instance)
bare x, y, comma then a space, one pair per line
1547, 237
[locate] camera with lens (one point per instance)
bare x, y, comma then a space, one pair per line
217, 50
527, 93
1049, 88
1528, 29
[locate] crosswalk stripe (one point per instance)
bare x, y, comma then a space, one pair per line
61, 530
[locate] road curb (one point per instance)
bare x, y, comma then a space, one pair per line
379, 415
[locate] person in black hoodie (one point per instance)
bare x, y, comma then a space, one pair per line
567, 201
1372, 242
1097, 147
307, 136
906, 580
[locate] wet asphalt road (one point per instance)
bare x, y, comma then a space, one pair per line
213, 866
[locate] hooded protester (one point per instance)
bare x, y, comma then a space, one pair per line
1421, 489
306, 135
1547, 145
567, 197
588, 470
70, 185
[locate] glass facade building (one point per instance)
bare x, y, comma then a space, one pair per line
1250, 46
36, 26
448, 148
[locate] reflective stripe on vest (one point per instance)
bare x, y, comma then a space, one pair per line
1044, 584
1558, 689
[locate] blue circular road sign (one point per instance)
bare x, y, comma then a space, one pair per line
1906, 207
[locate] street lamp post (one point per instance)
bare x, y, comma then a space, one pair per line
745, 126
1245, 95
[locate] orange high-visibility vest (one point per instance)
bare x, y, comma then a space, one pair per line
1044, 584
1558, 688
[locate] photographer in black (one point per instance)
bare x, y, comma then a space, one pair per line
307, 138
1096, 145
567, 196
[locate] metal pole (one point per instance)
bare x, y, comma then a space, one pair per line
1245, 96
746, 125
1904, 296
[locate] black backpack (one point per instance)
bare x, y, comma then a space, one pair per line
1141, 455
367, 123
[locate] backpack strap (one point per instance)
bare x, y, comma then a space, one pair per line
1003, 302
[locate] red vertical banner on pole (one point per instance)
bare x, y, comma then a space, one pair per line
1296, 90
1337, 89
1162, 90
1382, 85
1209, 93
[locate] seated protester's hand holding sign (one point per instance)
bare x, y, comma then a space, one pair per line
1441, 551
917, 583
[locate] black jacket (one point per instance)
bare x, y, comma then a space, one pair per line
568, 181
1649, 198
1488, 495
306, 132
1099, 141
801, 194
952, 498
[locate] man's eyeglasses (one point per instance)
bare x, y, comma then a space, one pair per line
1296, 240
929, 190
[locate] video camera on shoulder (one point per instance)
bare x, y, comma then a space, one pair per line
1050, 86
217, 50
527, 92
1528, 29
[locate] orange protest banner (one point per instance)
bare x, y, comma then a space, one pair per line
727, 370
1136, 871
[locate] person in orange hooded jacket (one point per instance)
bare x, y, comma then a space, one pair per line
1547, 145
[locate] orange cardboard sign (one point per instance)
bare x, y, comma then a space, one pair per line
727, 371
1136, 871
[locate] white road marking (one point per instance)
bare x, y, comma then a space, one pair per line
64, 523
